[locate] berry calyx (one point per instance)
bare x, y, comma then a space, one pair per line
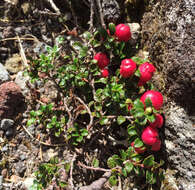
149, 135
105, 73
146, 72
158, 121
156, 146
156, 98
127, 68
123, 32
102, 60
139, 150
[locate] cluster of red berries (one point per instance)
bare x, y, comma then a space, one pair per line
127, 69
150, 133
122, 33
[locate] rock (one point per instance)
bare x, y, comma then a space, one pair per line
21, 80
1, 182
4, 75
11, 100
111, 10
168, 35
9, 133
14, 64
180, 143
5, 148
20, 168
6, 124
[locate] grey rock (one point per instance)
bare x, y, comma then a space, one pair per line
20, 168
6, 124
111, 10
21, 80
9, 133
180, 143
4, 75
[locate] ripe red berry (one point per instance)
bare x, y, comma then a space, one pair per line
138, 150
158, 121
123, 32
146, 72
149, 135
156, 98
102, 59
156, 146
127, 67
105, 73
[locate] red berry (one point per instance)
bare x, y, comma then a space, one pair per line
105, 73
158, 121
123, 32
127, 67
149, 135
156, 146
156, 98
146, 71
138, 150
102, 59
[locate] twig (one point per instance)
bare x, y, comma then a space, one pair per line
69, 124
101, 15
55, 8
71, 170
22, 54
89, 112
98, 184
93, 168
91, 15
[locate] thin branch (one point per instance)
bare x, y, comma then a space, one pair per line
69, 124
71, 170
89, 112
55, 8
101, 13
22, 54
91, 15
93, 168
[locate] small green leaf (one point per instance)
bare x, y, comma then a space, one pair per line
138, 143
138, 104
103, 33
149, 161
137, 73
112, 28
113, 180
150, 178
124, 172
136, 157
148, 102
31, 121
121, 119
104, 121
139, 113
113, 161
128, 167
95, 163
132, 131
151, 118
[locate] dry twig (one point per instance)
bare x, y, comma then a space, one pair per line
89, 112
55, 8
101, 13
71, 171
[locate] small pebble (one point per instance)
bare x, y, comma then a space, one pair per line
4, 148
6, 124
